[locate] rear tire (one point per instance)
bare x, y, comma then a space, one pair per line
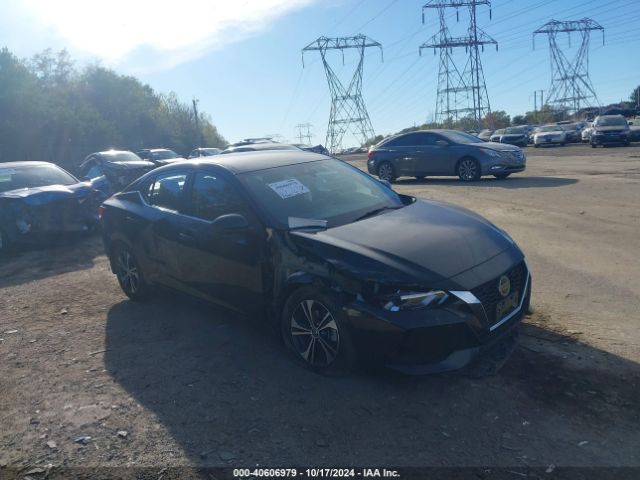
314, 328
129, 274
468, 170
386, 172
593, 145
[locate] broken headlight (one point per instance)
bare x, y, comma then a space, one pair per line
414, 300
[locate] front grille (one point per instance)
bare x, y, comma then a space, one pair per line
489, 295
517, 155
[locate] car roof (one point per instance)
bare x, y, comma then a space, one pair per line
243, 162
26, 163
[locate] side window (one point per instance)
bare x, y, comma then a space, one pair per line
407, 140
213, 196
426, 138
167, 191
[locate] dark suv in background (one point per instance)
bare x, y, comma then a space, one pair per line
443, 153
609, 129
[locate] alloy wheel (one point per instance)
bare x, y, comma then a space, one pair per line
128, 274
385, 172
468, 170
314, 333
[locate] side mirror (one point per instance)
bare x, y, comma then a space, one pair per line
232, 222
386, 183
442, 143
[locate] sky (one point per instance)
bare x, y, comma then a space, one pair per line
242, 58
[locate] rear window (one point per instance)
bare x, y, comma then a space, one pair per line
32, 176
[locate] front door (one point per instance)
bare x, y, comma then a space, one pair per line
222, 266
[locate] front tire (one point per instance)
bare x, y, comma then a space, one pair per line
314, 330
386, 172
129, 275
468, 169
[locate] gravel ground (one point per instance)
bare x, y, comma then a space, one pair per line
174, 382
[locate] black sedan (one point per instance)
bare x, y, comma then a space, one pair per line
39, 201
442, 153
343, 266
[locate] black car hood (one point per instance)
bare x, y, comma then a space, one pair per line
427, 241
49, 193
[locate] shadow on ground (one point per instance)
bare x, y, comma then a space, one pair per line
229, 394
28, 263
512, 182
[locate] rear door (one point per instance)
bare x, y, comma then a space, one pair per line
404, 151
166, 196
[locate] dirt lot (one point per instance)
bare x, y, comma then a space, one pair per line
186, 384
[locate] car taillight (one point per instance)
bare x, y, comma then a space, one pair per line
100, 211
370, 154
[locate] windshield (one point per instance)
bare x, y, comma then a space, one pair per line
460, 137
515, 131
328, 190
550, 128
121, 157
611, 121
31, 176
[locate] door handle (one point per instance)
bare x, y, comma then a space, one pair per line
185, 236
131, 219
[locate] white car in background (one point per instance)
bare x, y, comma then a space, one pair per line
549, 135
586, 133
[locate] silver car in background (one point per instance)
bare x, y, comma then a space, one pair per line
443, 153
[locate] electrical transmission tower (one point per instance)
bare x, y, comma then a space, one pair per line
461, 92
348, 112
571, 88
304, 132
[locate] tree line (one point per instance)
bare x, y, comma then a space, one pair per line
51, 110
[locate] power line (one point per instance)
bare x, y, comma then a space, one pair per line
348, 111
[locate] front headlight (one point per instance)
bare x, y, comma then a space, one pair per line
598, 133
414, 300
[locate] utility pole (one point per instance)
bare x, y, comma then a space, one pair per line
571, 88
535, 102
302, 128
461, 92
348, 111
195, 115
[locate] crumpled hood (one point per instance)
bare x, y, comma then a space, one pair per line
426, 241
49, 193
132, 165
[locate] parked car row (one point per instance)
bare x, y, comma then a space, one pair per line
302, 240
610, 129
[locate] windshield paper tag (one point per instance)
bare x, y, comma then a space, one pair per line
288, 188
